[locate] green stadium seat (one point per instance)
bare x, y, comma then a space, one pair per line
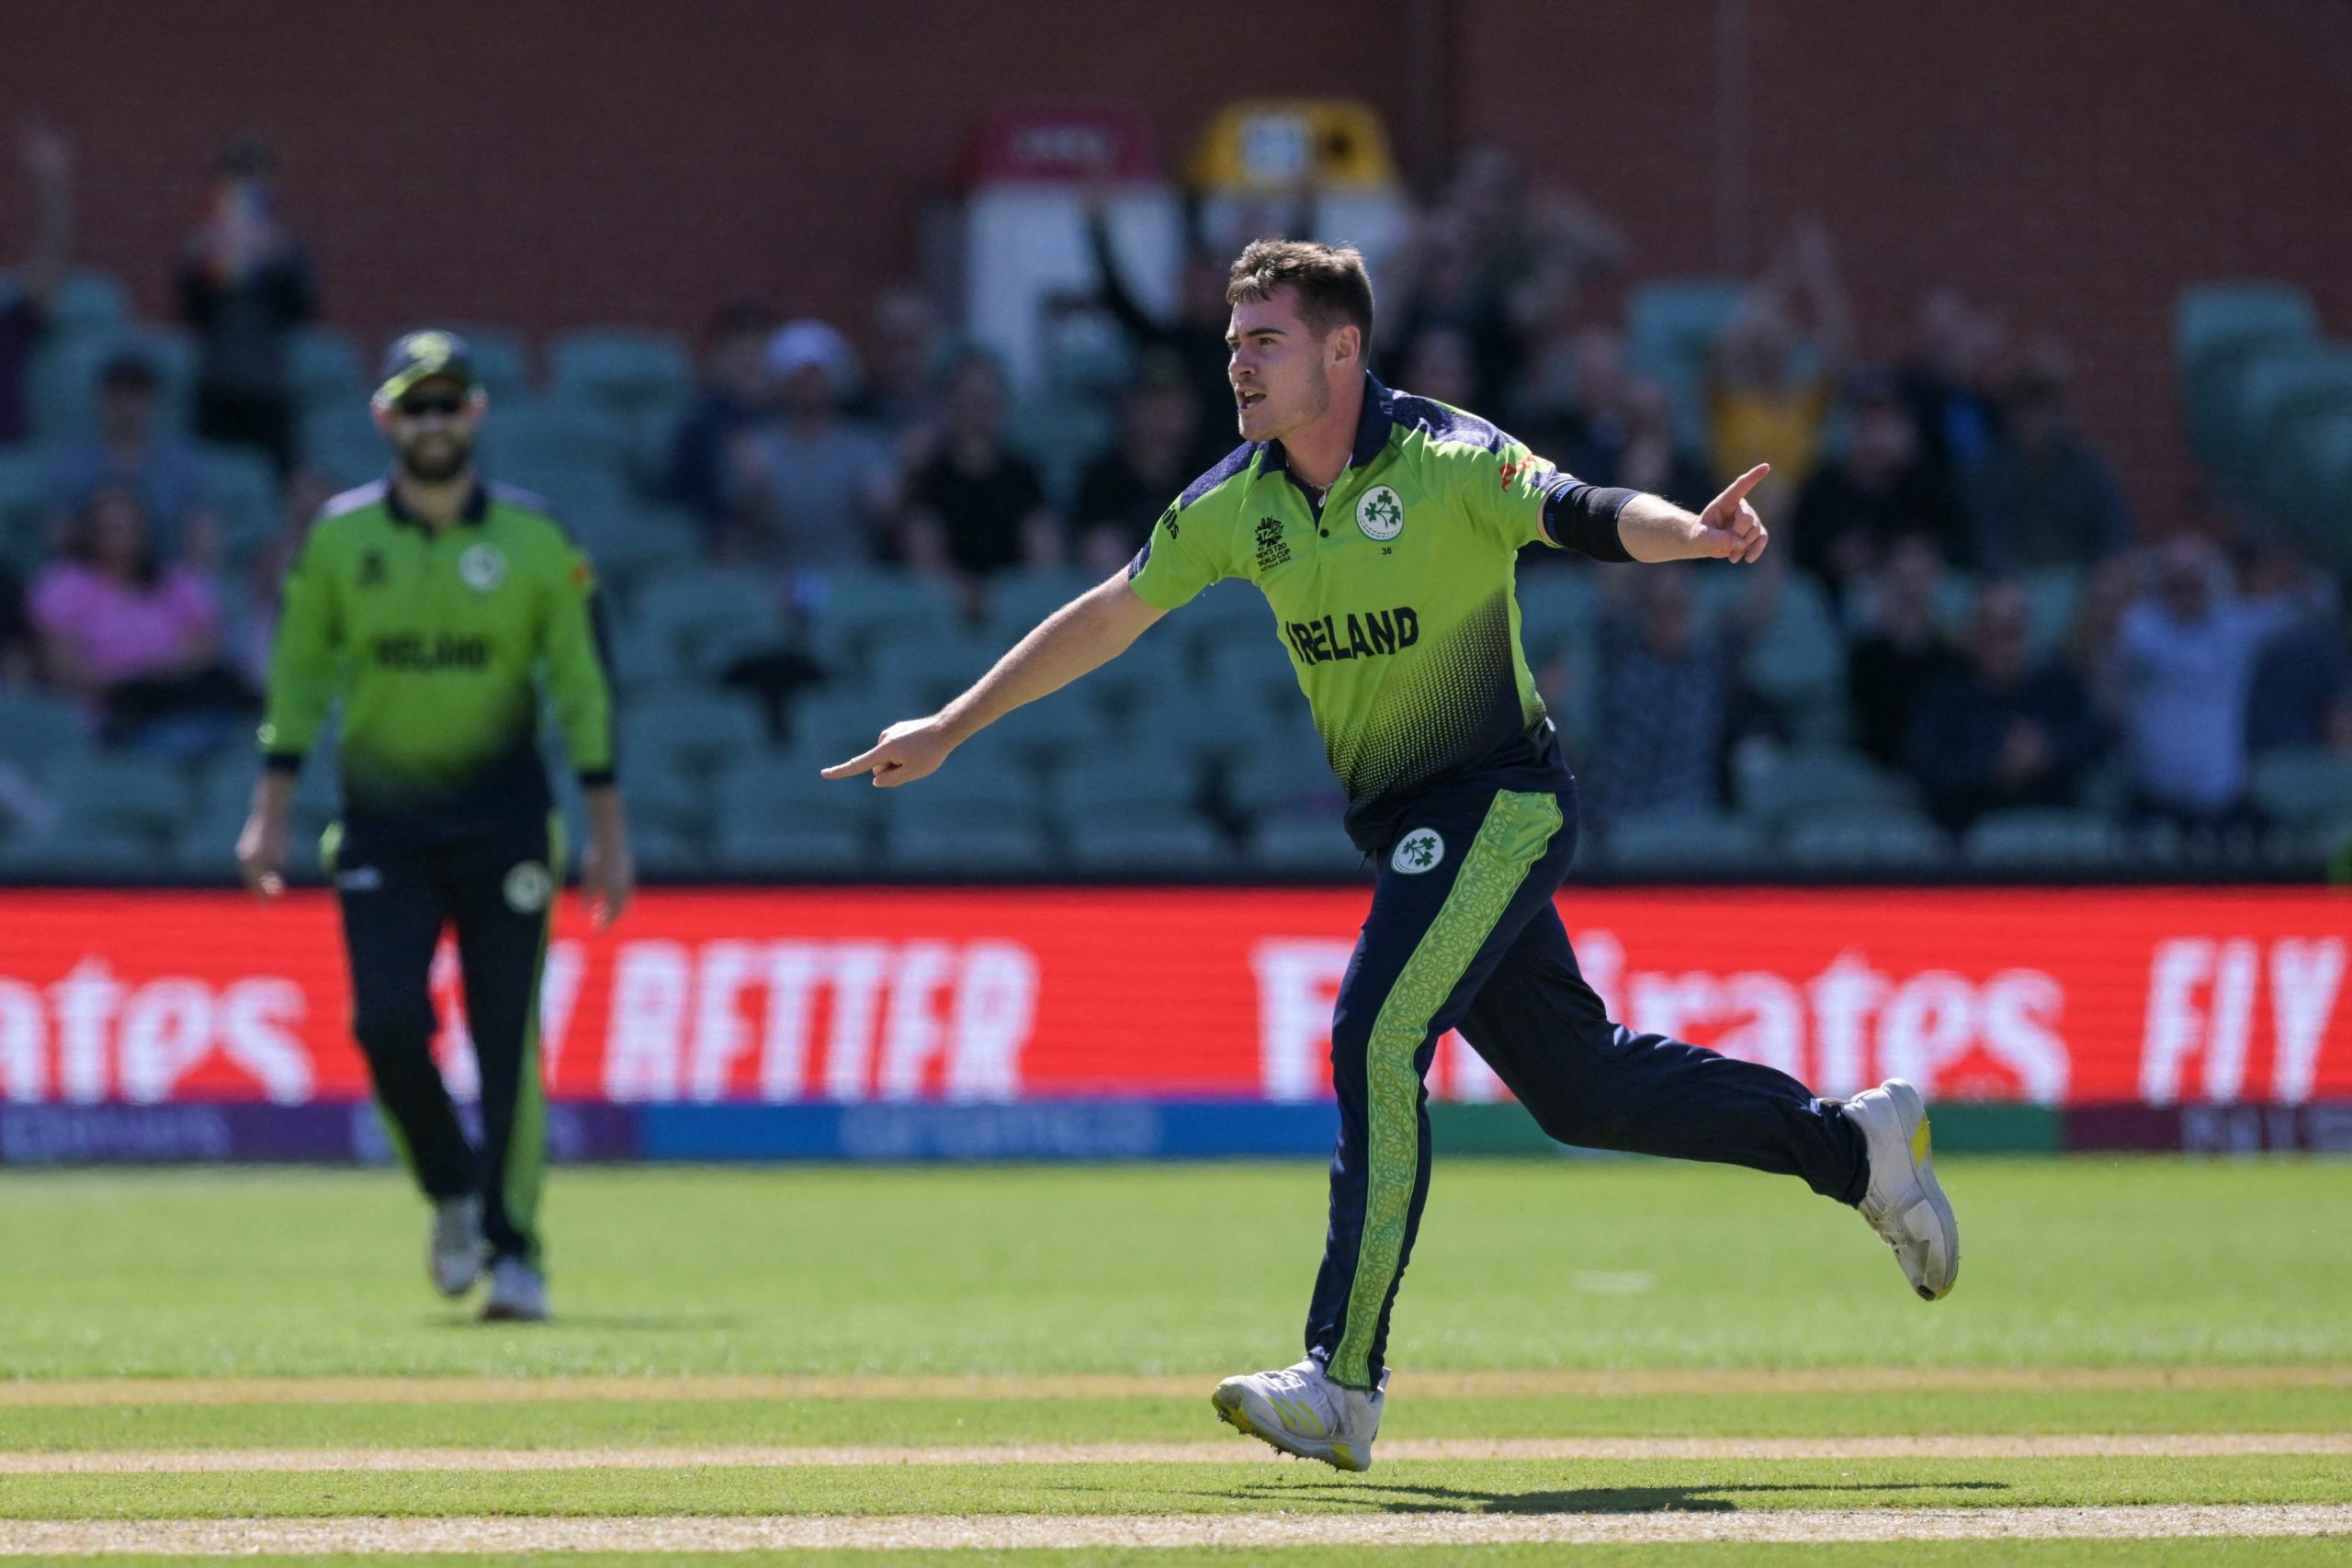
854, 612
24, 506
620, 367
1774, 790
688, 730
1249, 674
552, 439
86, 302
699, 607
1225, 613
786, 791
2302, 787
243, 486
1671, 326
1797, 658
939, 844
2035, 838
1063, 728
2051, 596
1281, 773
1127, 780
1559, 610
1863, 840
1061, 434
1018, 601
789, 849
126, 796
2210, 316
62, 855
920, 674
666, 853
1302, 846
63, 390
38, 730
1146, 843
329, 367
342, 442
1682, 843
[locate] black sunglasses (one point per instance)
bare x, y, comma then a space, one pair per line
419, 408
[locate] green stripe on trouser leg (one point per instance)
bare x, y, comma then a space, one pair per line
1517, 830
526, 1149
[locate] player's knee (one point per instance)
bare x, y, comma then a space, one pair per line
393, 1034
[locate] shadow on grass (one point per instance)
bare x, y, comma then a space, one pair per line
601, 1322
1705, 1499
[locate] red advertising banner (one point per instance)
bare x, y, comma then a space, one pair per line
2056, 997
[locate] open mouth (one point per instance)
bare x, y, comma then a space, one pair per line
1248, 398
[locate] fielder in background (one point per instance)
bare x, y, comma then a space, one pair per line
1383, 530
433, 605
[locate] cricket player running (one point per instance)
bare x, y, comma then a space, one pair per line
433, 605
1383, 530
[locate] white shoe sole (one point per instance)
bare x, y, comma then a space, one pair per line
1233, 1402
1911, 1114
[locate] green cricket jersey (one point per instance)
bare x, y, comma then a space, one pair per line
436, 643
1393, 596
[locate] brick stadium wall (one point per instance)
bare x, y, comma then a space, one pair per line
544, 164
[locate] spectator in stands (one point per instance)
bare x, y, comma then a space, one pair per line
2042, 496
24, 310
1495, 259
132, 449
1159, 451
807, 491
1901, 652
2299, 696
976, 508
245, 286
1769, 391
1452, 290
135, 637
1573, 412
1854, 505
1616, 429
902, 394
736, 395
1949, 380
1437, 363
2181, 670
1998, 730
1194, 334
18, 663
1664, 699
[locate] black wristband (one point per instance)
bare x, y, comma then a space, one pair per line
1583, 517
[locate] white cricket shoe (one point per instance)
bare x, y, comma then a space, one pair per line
453, 1254
517, 1293
1305, 1414
1905, 1204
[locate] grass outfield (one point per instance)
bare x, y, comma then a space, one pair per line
790, 1340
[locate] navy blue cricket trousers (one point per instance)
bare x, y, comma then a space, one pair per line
1464, 933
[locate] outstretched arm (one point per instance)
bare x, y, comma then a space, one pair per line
1088, 632
1653, 529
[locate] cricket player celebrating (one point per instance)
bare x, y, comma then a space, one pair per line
1383, 530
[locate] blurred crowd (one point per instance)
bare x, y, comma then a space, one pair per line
2006, 632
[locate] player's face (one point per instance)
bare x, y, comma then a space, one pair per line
431, 427
1280, 369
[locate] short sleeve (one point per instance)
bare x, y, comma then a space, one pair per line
1179, 560
1508, 486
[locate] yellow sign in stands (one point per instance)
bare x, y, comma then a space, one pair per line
1275, 144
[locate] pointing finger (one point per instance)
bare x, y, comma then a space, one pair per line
862, 762
1738, 490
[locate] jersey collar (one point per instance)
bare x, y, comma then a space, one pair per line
477, 506
1373, 425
